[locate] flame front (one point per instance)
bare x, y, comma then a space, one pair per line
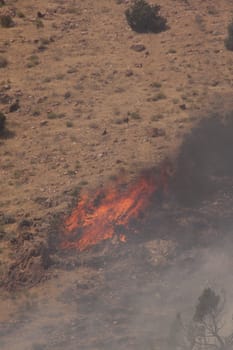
95, 218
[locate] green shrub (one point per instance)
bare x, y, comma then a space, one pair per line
229, 39
144, 18
2, 122
6, 21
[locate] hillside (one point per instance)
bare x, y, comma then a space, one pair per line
87, 99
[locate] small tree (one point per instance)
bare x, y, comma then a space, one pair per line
204, 332
229, 39
208, 320
144, 18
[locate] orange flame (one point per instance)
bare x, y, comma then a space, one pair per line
122, 238
96, 218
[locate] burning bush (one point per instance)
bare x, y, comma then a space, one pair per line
144, 18
110, 212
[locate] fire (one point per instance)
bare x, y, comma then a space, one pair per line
98, 217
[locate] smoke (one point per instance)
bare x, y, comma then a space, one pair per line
204, 159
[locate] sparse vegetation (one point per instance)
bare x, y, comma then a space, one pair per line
229, 39
2, 122
20, 14
94, 125
69, 124
156, 85
67, 95
33, 61
6, 21
53, 115
156, 117
175, 100
60, 76
172, 51
200, 22
39, 23
75, 192
134, 115
157, 97
83, 183
73, 10
47, 80
3, 62
144, 18
36, 113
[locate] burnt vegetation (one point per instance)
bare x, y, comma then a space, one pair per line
145, 18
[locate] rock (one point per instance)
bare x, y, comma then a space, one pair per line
104, 132
138, 47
